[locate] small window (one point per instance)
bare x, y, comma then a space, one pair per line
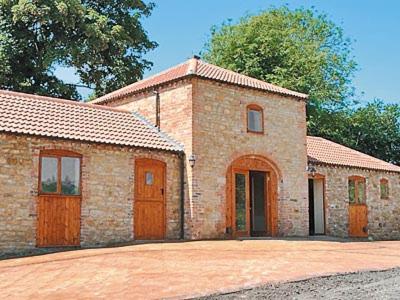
357, 190
149, 178
384, 184
60, 174
255, 121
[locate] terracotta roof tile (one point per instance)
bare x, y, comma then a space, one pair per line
50, 117
199, 68
322, 151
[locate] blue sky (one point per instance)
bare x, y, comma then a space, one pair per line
181, 28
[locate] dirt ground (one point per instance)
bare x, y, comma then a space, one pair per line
362, 285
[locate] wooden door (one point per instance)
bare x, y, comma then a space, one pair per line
58, 220
149, 204
358, 220
358, 209
241, 203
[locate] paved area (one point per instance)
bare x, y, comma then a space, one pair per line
182, 270
360, 285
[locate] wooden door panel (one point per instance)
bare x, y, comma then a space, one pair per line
149, 206
358, 220
72, 221
149, 220
58, 221
146, 169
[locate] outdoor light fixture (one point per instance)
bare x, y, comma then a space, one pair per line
192, 160
312, 170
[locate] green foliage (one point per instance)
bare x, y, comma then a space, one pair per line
297, 49
103, 40
306, 52
373, 129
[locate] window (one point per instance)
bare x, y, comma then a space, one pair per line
255, 119
149, 178
49, 175
357, 190
60, 173
384, 184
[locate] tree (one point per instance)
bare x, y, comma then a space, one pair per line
304, 51
297, 49
373, 129
102, 40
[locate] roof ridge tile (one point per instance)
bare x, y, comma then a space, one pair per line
197, 67
22, 96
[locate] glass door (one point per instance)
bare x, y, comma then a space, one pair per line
258, 196
241, 203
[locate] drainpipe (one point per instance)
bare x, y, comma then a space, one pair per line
157, 109
182, 196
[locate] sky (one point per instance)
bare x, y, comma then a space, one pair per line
182, 27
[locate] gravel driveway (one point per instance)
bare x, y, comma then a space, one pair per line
363, 285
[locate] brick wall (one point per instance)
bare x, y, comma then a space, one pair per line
220, 137
176, 119
209, 119
383, 214
175, 109
107, 190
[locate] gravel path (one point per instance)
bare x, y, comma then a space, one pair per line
363, 285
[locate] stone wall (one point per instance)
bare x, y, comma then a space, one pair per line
383, 214
176, 119
107, 190
175, 109
220, 137
209, 119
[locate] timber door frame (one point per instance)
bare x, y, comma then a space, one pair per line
43, 196
249, 163
138, 161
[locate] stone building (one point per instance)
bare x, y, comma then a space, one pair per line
194, 152
352, 194
69, 174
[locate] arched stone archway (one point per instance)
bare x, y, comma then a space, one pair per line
239, 196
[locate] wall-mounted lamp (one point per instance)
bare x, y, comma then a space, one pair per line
192, 160
312, 170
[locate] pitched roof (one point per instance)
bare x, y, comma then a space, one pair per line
50, 117
198, 68
322, 151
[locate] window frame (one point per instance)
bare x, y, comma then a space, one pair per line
357, 179
255, 107
59, 154
386, 182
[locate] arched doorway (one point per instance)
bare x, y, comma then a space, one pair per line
251, 197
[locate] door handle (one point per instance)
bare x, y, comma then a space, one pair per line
162, 191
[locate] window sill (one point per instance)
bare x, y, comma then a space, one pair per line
256, 132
